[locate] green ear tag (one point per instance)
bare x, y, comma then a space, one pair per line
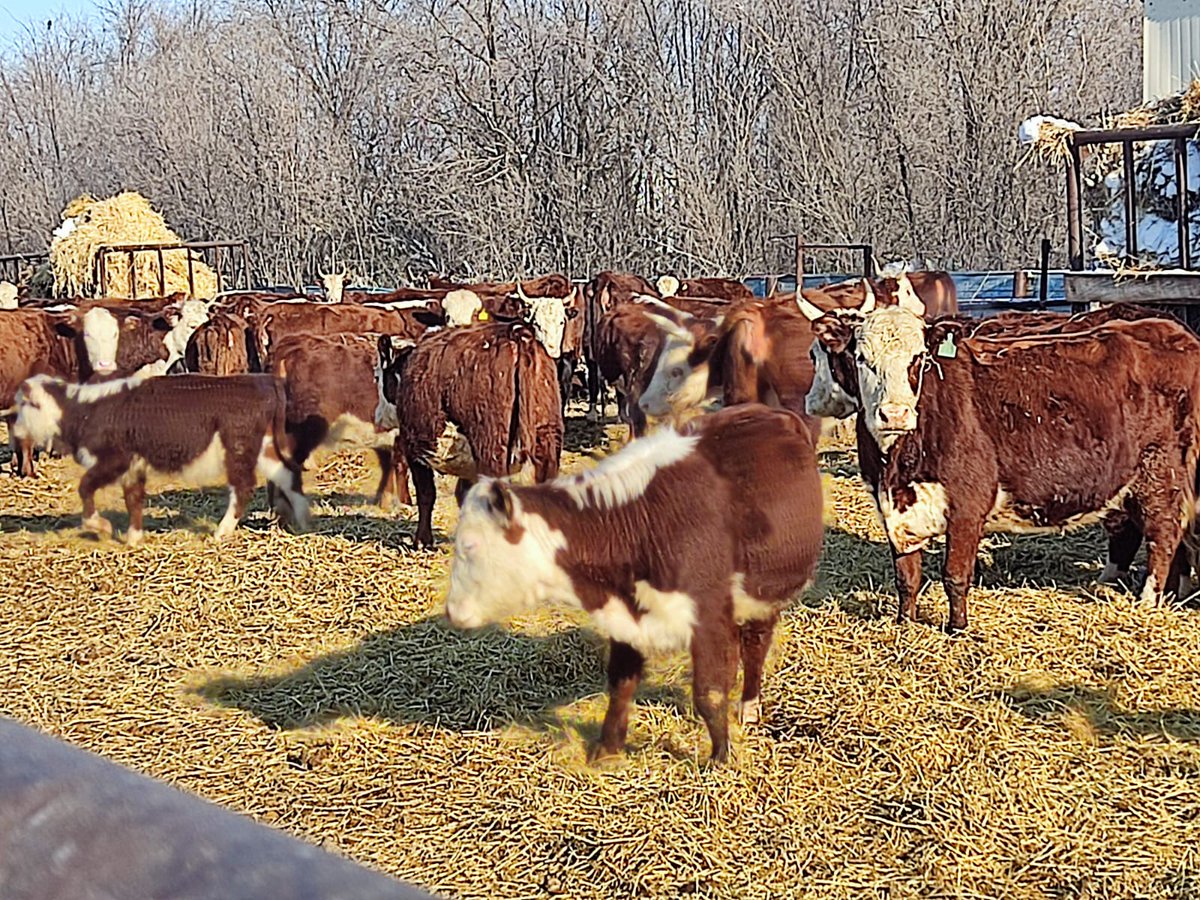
947, 349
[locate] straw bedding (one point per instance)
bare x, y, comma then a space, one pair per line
1053, 751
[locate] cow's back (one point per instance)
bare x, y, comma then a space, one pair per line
327, 376
26, 339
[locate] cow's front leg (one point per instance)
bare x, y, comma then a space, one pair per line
422, 477
962, 548
625, 666
102, 473
907, 567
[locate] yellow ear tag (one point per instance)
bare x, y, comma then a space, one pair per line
483, 315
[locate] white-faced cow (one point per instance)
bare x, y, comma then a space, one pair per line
1043, 432
682, 540
494, 384
202, 428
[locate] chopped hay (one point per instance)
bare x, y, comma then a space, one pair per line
1052, 751
127, 218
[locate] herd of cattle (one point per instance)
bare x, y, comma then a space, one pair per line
692, 536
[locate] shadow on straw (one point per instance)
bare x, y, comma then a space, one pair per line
428, 673
1100, 709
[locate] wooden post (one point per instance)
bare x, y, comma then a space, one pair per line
1074, 210
1020, 284
1129, 192
162, 275
1181, 204
132, 277
799, 263
1044, 273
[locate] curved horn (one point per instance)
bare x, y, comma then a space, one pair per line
521, 292
668, 326
869, 302
811, 311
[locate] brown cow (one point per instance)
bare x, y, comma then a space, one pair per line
332, 400
691, 540
494, 384
273, 322
200, 427
722, 289
1035, 432
604, 292
224, 345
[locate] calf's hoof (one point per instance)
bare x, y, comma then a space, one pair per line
598, 754
749, 712
98, 525
134, 536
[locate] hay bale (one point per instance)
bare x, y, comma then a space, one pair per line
127, 218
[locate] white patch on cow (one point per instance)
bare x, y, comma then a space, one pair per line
1003, 517
665, 625
85, 457
675, 386
453, 455
8, 295
549, 315
270, 467
397, 304
492, 578
914, 527
209, 466
101, 333
228, 521
745, 607
133, 537
889, 339
749, 711
461, 306
39, 415
1150, 592
624, 476
97, 524
386, 416
191, 315
154, 369
138, 467
826, 397
90, 393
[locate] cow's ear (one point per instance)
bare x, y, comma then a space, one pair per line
705, 344
500, 501
161, 323
66, 327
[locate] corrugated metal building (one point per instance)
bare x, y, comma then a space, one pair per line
1170, 46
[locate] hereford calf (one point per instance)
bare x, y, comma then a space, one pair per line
694, 539
331, 401
200, 427
1038, 433
496, 388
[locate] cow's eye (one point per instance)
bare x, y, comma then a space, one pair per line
677, 372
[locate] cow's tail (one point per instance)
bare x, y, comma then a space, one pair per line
535, 406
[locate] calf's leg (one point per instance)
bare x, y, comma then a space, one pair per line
102, 474
625, 666
714, 665
595, 411
1123, 544
756, 641
283, 487
962, 548
135, 499
426, 496
907, 567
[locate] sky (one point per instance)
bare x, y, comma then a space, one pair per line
15, 15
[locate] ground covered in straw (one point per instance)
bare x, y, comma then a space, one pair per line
1053, 751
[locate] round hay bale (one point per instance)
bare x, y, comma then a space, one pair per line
127, 218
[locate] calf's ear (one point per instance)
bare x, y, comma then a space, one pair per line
500, 501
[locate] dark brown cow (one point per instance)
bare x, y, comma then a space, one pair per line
332, 400
695, 540
273, 322
604, 292
224, 345
1027, 433
494, 384
200, 427
727, 290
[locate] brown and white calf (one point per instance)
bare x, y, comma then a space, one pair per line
331, 401
200, 427
1034, 433
496, 388
727, 290
682, 540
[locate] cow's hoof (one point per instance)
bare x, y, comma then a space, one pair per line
749, 712
98, 525
1111, 575
591, 416
134, 537
599, 755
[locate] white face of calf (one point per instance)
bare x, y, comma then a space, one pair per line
461, 307
191, 315
549, 317
504, 559
39, 414
678, 384
101, 333
890, 339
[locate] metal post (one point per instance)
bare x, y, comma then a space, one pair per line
217, 266
799, 262
1074, 210
1044, 274
1129, 191
1181, 204
132, 278
102, 259
868, 261
245, 266
162, 275
191, 276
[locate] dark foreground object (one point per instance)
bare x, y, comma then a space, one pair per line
75, 827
